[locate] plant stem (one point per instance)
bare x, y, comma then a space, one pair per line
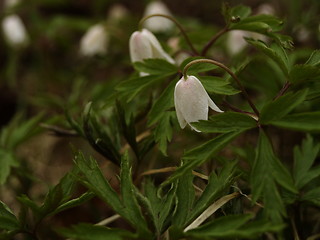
283, 90
177, 24
228, 70
213, 40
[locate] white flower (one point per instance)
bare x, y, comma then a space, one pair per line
157, 24
235, 41
192, 102
143, 45
95, 41
117, 13
14, 31
11, 3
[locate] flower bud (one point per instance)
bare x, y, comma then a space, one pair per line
192, 102
95, 41
143, 45
14, 31
157, 24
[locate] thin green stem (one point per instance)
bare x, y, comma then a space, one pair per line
177, 24
243, 90
213, 40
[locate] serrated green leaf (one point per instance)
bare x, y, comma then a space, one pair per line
275, 52
133, 211
304, 73
163, 131
306, 122
312, 196
240, 11
185, 198
7, 160
282, 106
163, 103
84, 231
217, 184
8, 220
97, 183
155, 66
130, 88
201, 154
314, 59
304, 158
235, 226
266, 171
226, 122
218, 85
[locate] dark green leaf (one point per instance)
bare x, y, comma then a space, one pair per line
163, 131
133, 212
314, 59
217, 184
85, 231
8, 220
185, 199
163, 103
218, 85
226, 122
281, 106
312, 196
156, 66
275, 52
306, 122
234, 226
304, 158
201, 154
7, 160
304, 73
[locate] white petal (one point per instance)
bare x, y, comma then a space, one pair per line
212, 105
157, 24
181, 120
14, 30
94, 41
140, 47
157, 50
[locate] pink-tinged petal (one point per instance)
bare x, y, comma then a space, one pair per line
140, 47
157, 50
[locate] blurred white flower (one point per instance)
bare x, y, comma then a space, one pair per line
192, 102
11, 3
157, 24
266, 8
14, 31
235, 41
117, 12
143, 45
95, 41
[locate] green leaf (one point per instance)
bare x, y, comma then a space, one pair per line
226, 122
130, 88
197, 68
304, 158
163, 131
163, 103
314, 59
306, 122
84, 231
281, 106
159, 207
235, 14
275, 52
234, 226
156, 66
218, 85
133, 211
201, 154
304, 73
185, 198
217, 184
97, 183
7, 160
266, 171
312, 196
8, 220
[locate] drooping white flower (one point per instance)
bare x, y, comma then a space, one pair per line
14, 31
192, 102
95, 41
157, 24
117, 13
143, 45
11, 3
